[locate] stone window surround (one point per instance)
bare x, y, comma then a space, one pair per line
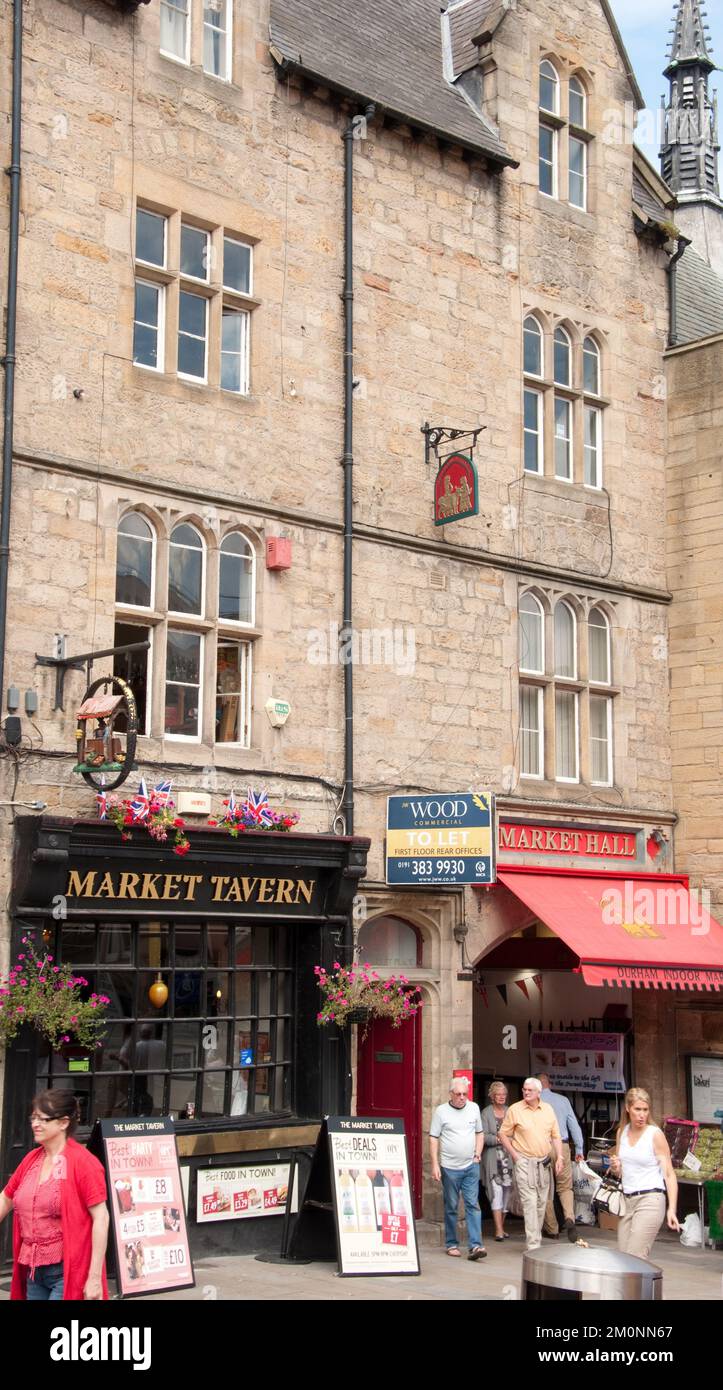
559, 122
581, 400
194, 54
207, 625
219, 297
582, 686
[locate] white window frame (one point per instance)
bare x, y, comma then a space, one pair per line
591, 452
160, 217
573, 175
185, 274
531, 670
562, 333
186, 738
581, 92
610, 761
227, 7
165, 52
244, 356
182, 333
540, 339
567, 608
245, 692
539, 435
231, 289
160, 326
137, 607
238, 624
566, 439
538, 776
552, 76
591, 351
552, 163
594, 680
560, 692
174, 612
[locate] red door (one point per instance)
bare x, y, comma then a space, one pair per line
389, 1084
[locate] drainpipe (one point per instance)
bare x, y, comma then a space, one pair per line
8, 361
683, 242
351, 134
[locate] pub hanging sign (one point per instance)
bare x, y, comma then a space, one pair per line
455, 490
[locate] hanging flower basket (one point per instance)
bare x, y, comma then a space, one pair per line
358, 994
50, 998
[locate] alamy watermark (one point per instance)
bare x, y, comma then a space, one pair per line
364, 646
643, 910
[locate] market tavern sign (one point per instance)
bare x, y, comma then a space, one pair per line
555, 839
202, 889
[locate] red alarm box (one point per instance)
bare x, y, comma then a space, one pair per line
278, 553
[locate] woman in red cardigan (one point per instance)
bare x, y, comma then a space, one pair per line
58, 1195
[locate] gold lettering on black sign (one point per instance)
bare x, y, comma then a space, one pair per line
162, 887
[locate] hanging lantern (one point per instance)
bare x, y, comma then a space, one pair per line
158, 992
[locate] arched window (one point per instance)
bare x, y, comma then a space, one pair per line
186, 570
599, 647
562, 357
549, 88
578, 102
388, 943
532, 635
236, 580
135, 562
565, 645
532, 347
591, 367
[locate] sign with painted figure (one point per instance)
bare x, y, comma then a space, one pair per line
590, 1062
148, 1216
231, 1194
373, 1203
455, 490
447, 838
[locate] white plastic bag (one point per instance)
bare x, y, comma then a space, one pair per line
691, 1233
585, 1184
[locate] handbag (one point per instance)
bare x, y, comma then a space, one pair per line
610, 1196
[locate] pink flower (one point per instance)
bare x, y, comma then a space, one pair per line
56, 969
21, 957
20, 1009
336, 965
74, 1018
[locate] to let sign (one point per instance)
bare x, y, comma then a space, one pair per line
446, 838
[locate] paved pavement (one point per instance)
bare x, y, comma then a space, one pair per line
693, 1275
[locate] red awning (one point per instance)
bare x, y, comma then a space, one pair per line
627, 930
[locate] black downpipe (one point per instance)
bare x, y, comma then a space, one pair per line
355, 127
9, 359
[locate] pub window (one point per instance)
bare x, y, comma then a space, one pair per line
222, 1044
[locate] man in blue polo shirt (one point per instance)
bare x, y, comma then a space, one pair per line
571, 1135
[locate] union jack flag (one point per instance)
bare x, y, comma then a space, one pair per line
140, 805
162, 793
231, 807
257, 807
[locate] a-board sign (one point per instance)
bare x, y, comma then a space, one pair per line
231, 1194
146, 1205
373, 1203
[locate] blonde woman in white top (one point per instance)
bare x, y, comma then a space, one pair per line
642, 1159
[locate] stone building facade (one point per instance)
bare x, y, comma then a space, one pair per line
179, 168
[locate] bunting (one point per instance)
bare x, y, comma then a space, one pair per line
503, 991
522, 984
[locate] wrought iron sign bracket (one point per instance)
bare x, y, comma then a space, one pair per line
434, 435
63, 664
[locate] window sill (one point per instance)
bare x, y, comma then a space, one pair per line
181, 388
557, 207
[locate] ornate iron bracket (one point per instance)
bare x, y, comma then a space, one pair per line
434, 435
63, 664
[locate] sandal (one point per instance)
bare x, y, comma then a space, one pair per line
454, 1251
477, 1253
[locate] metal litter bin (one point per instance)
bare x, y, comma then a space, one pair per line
573, 1273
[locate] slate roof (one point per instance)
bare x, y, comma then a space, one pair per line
699, 299
466, 20
646, 199
385, 51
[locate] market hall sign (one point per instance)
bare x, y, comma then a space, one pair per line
555, 839
203, 890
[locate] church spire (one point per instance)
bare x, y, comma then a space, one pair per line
689, 156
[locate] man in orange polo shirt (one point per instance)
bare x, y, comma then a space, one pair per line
529, 1132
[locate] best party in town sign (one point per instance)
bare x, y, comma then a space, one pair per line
146, 1204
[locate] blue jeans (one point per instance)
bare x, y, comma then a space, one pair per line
464, 1181
47, 1283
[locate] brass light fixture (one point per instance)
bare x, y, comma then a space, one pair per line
158, 992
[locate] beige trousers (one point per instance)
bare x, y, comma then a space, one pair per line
639, 1226
534, 1183
563, 1184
